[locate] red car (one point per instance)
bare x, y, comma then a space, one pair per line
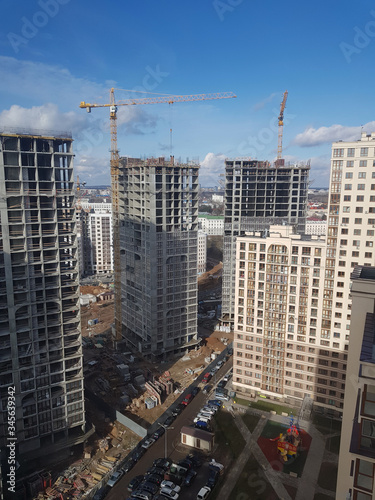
206, 377
187, 400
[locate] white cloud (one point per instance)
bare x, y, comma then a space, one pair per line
322, 135
211, 167
47, 117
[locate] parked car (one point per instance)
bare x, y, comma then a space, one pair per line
162, 463
101, 493
201, 419
155, 470
223, 397
178, 410
213, 477
187, 399
134, 483
154, 478
190, 477
168, 421
204, 414
158, 433
195, 459
208, 409
206, 378
221, 384
215, 402
115, 477
138, 454
217, 465
195, 391
128, 465
170, 485
219, 364
148, 486
142, 495
149, 442
206, 389
203, 493
205, 426
169, 493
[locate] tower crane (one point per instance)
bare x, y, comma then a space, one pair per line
115, 166
281, 125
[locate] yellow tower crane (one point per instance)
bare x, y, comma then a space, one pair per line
281, 125
115, 166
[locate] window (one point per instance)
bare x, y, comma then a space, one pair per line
351, 152
361, 187
363, 163
364, 152
364, 478
358, 221
347, 209
349, 175
359, 210
340, 152
368, 401
360, 197
357, 232
347, 197
348, 187
361, 175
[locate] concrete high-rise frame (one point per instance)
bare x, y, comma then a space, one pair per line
258, 194
158, 238
40, 337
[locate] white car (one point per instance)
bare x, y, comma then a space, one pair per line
203, 493
201, 419
148, 443
114, 478
208, 409
170, 485
204, 414
169, 493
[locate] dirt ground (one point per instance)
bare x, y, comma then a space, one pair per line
101, 310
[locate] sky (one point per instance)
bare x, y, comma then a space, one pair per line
56, 53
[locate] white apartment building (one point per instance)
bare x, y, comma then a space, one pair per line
356, 472
95, 235
202, 251
212, 225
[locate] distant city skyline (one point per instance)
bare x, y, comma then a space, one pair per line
50, 61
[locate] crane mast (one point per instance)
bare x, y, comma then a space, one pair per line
115, 167
281, 126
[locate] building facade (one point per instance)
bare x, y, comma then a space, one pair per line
212, 225
356, 471
258, 194
159, 232
202, 251
40, 338
95, 238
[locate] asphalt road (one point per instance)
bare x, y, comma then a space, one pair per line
175, 450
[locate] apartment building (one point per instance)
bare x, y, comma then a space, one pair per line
356, 471
278, 347
213, 225
258, 194
95, 238
323, 335
202, 251
318, 227
158, 237
40, 337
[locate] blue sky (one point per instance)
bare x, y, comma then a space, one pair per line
56, 53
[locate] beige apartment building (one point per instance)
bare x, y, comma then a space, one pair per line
279, 350
357, 452
293, 311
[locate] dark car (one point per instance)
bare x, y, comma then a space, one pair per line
195, 459
215, 402
128, 465
148, 486
158, 433
190, 476
195, 391
213, 478
100, 494
168, 421
178, 410
163, 463
186, 463
159, 471
154, 478
134, 483
137, 455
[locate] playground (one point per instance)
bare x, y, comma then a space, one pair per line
285, 446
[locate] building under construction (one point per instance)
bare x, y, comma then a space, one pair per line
158, 241
40, 337
258, 194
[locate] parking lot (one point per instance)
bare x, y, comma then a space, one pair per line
170, 445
